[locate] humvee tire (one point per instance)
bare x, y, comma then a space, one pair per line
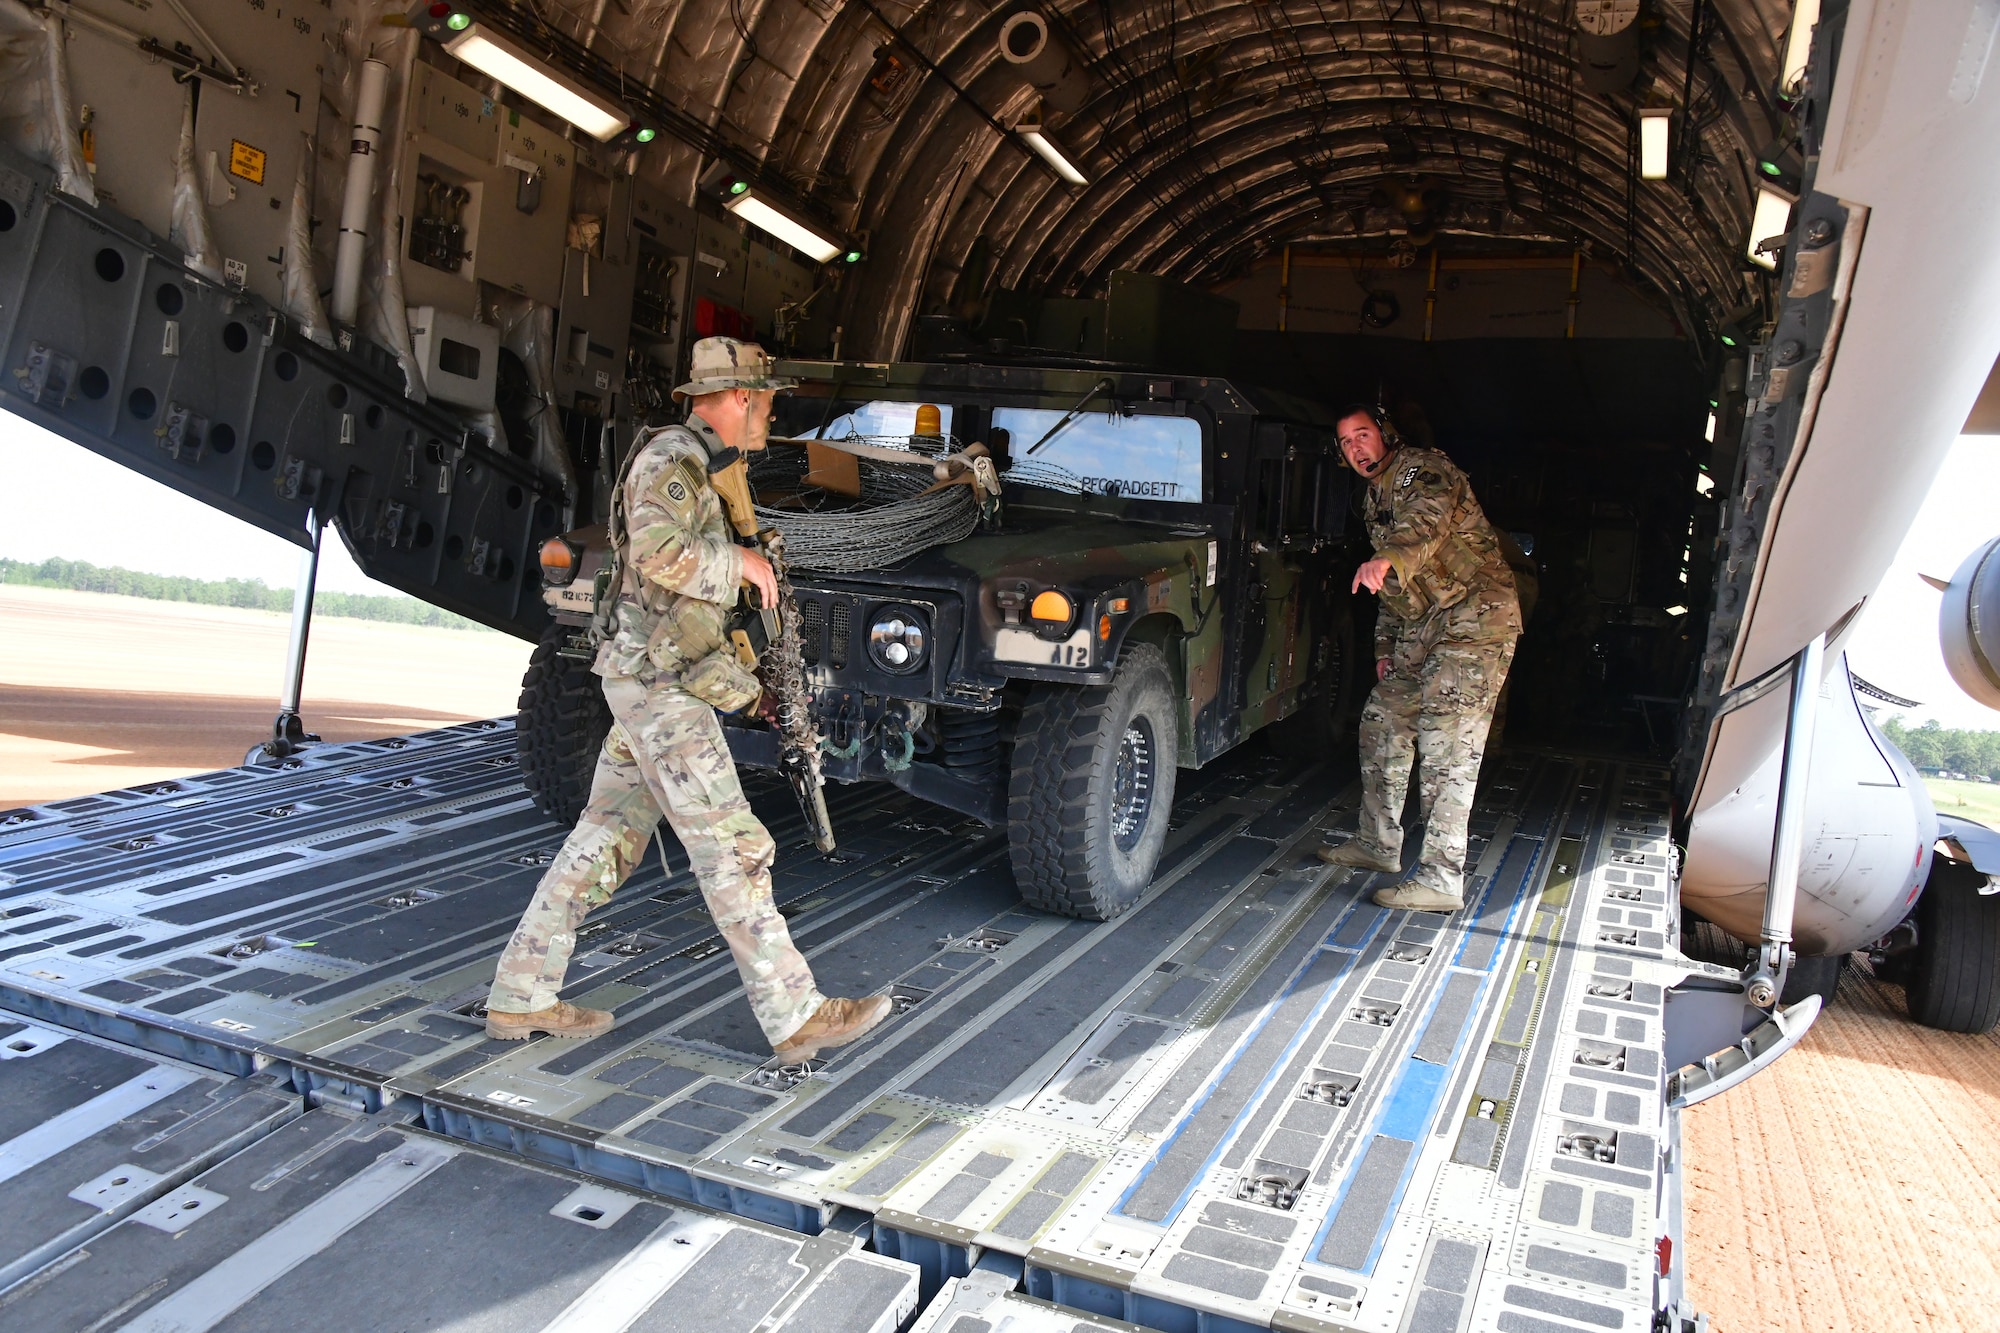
560, 727
1092, 787
1954, 985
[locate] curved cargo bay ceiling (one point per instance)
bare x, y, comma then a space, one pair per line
1212, 133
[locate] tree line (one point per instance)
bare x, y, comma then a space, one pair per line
254, 594
1948, 748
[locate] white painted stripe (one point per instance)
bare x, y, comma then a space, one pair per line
641, 1277
30, 1149
231, 1284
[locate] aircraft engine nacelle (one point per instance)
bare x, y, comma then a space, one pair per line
1869, 831
1969, 625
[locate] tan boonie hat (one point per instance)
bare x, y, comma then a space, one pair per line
725, 363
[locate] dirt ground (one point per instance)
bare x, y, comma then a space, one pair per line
100, 692
1855, 1184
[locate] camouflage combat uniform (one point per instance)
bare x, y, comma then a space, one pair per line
1448, 623
666, 752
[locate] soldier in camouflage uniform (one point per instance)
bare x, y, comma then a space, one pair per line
1443, 642
666, 669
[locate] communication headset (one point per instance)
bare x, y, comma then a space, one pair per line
1392, 439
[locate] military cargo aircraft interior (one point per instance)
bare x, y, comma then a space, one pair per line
1066, 302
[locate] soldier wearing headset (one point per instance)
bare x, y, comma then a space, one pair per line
1443, 643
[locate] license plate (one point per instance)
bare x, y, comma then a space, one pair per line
1028, 647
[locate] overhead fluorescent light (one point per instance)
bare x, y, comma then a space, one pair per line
1798, 42
794, 231
1655, 128
1774, 212
1038, 139
491, 53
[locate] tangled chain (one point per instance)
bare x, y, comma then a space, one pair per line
784, 675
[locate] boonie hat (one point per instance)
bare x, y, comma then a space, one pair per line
725, 363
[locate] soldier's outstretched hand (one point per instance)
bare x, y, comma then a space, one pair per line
1370, 575
757, 573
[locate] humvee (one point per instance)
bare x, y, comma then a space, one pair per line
1166, 576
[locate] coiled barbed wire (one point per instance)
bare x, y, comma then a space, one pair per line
893, 518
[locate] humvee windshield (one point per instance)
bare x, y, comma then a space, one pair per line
1148, 457
874, 420
1140, 455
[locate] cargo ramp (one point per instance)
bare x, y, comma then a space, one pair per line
245, 1081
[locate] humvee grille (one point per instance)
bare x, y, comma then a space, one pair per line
812, 628
836, 649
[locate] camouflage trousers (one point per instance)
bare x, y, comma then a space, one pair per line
665, 753
1440, 710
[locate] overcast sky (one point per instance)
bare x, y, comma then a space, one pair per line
62, 500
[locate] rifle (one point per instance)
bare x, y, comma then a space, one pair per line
779, 659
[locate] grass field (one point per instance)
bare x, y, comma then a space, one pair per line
1968, 800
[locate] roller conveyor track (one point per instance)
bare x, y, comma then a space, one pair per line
1256, 1100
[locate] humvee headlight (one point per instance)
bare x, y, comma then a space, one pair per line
897, 641
558, 562
1051, 609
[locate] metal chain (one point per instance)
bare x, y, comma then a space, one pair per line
784, 667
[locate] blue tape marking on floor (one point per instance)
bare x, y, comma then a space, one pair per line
1242, 1046
1408, 1113
1412, 1103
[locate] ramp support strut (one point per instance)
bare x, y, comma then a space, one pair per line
288, 733
1764, 979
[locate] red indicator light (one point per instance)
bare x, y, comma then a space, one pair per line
438, 11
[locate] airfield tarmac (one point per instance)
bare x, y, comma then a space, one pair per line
100, 692
1855, 1184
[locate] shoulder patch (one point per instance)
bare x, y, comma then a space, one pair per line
679, 487
1430, 478
1409, 475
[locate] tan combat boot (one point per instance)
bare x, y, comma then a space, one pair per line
834, 1023
1417, 896
561, 1019
1355, 852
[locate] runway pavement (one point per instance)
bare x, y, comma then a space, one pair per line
99, 692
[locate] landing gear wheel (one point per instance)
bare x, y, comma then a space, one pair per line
1813, 976
1319, 727
561, 725
1955, 983
1092, 787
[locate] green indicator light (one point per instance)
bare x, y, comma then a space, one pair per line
1769, 168
646, 136
738, 187
853, 256
458, 22
1728, 341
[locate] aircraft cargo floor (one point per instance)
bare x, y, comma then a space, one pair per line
1255, 1101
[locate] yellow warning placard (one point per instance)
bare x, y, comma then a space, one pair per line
246, 161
